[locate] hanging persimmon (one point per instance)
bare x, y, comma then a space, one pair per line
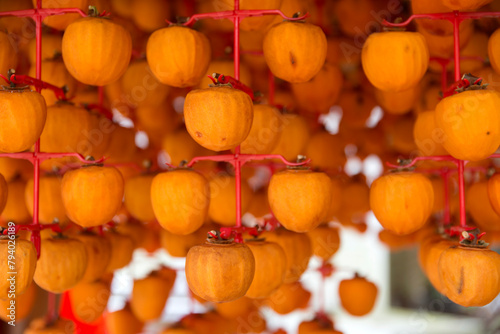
493, 53
437, 27
471, 124
470, 276
71, 258
90, 47
122, 322
352, 15
480, 207
122, 249
51, 208
180, 200
137, 198
336, 203
237, 308
178, 56
402, 202
15, 209
8, 54
428, 137
298, 251
325, 241
92, 195
321, 324
325, 151
299, 198
494, 192
150, 294
395, 60
24, 265
397, 103
4, 191
89, 300
321, 92
149, 15
23, 117
270, 268
293, 137
289, 297
51, 46
357, 295
265, 131
429, 253
218, 118
220, 270
287, 48
222, 197
98, 255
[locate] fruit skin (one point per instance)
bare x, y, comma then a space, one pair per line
122, 248
465, 4
92, 195
98, 255
293, 137
23, 114
51, 207
61, 22
494, 192
61, 265
471, 124
222, 193
4, 191
470, 277
15, 208
357, 295
8, 54
270, 268
89, 300
178, 56
479, 204
25, 264
289, 297
138, 197
493, 51
123, 322
24, 304
325, 241
218, 118
402, 202
90, 47
428, 137
287, 49
395, 61
220, 272
180, 200
297, 248
265, 130
300, 199
429, 253
150, 294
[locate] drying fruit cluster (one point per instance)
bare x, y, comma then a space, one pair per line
153, 83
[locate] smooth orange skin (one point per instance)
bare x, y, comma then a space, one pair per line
98, 255
354, 202
396, 242
92, 195
402, 202
325, 151
179, 245
353, 15
138, 197
149, 15
122, 322
397, 103
336, 203
265, 131
493, 51
293, 61
180, 200
289, 297
494, 192
471, 133
218, 118
221, 194
220, 273
143, 235
178, 56
442, 45
51, 205
429, 253
237, 308
150, 294
293, 137
89, 49
298, 251
8, 54
61, 22
15, 208
300, 199
23, 114
270, 268
25, 264
89, 300
357, 296
470, 277
122, 248
480, 207
428, 137
259, 205
321, 92
24, 304
4, 191
61, 265
122, 145
325, 241
395, 60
